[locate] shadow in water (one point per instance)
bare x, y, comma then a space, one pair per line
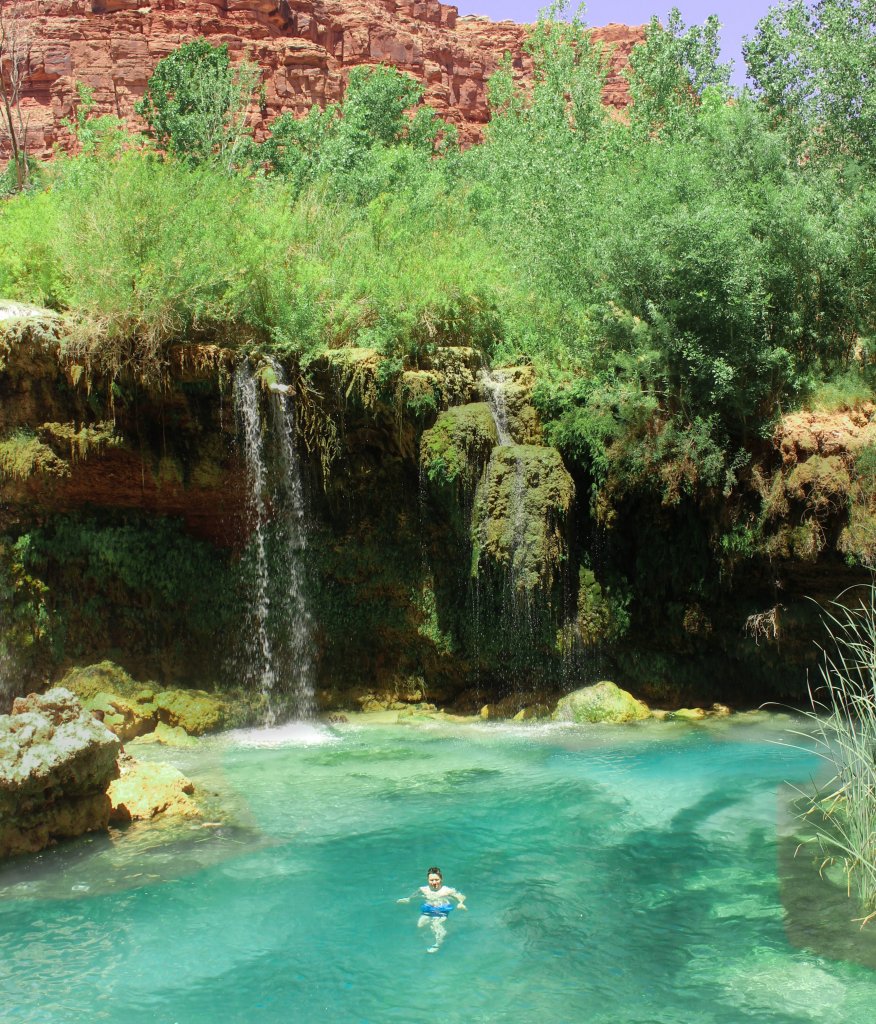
140, 854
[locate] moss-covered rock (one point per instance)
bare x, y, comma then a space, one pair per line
601, 617
457, 448
602, 702
167, 735
521, 509
105, 677
195, 711
127, 717
133, 709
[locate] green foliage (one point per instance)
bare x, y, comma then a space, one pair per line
27, 617
146, 253
684, 270
105, 135
844, 390
89, 586
366, 145
9, 178
23, 455
196, 102
812, 64
676, 281
673, 72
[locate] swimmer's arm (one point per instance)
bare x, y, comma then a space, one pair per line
460, 899
407, 899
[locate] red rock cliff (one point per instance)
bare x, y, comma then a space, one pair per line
303, 46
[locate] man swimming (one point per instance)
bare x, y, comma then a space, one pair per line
436, 905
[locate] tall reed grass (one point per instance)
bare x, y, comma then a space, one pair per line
843, 715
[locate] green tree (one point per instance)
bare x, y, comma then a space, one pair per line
814, 66
544, 148
350, 143
671, 71
196, 104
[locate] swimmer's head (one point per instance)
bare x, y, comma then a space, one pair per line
434, 878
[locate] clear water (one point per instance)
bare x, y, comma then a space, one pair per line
613, 876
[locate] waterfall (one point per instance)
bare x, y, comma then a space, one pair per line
493, 388
294, 609
277, 652
493, 385
260, 664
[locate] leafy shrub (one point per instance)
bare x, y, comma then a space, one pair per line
196, 103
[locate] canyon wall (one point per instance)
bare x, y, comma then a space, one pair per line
304, 47
124, 535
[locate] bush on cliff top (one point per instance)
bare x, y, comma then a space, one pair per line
143, 253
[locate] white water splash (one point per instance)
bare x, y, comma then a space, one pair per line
291, 734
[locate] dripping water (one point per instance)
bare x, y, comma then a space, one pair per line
515, 618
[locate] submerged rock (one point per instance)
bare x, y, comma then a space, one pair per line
602, 702
687, 715
143, 790
168, 735
56, 762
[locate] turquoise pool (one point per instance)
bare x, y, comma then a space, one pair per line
613, 876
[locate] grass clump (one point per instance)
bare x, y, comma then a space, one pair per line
845, 390
24, 455
843, 811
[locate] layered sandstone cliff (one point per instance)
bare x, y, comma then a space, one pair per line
304, 47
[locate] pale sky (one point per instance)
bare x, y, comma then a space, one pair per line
737, 18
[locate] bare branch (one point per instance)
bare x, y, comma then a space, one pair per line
16, 45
